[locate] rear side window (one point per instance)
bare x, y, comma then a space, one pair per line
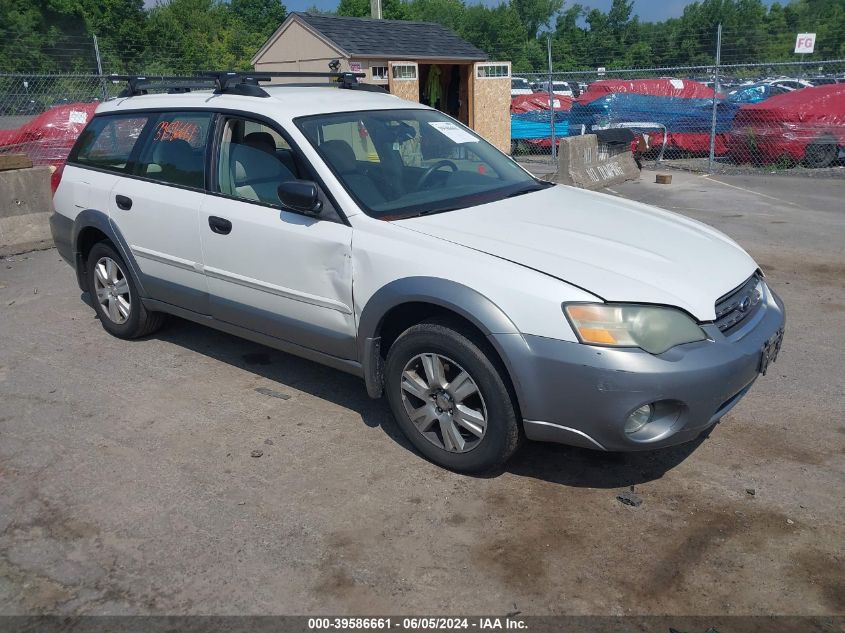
107, 142
174, 151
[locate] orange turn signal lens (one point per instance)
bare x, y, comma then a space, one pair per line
593, 335
585, 312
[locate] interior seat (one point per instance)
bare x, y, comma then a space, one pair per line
261, 140
265, 142
257, 174
342, 157
176, 162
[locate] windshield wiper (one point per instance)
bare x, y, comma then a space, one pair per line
417, 214
436, 210
440, 210
521, 192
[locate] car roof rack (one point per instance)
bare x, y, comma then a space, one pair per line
244, 83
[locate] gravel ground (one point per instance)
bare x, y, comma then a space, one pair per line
127, 483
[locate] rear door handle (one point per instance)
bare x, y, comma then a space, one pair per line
219, 225
123, 202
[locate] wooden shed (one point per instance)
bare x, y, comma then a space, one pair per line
418, 61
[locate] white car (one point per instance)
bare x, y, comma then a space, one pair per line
385, 239
787, 84
562, 88
520, 86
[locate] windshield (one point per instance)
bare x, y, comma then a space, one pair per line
404, 163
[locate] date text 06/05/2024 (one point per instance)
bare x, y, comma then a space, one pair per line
418, 623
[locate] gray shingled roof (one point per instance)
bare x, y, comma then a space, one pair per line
392, 39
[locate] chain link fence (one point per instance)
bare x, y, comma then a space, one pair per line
725, 114
730, 113
779, 117
41, 115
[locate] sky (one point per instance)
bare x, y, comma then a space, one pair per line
648, 10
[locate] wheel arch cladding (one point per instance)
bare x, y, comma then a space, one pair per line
433, 296
88, 228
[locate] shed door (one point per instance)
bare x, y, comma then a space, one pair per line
491, 102
404, 80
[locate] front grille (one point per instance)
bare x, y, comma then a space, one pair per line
739, 304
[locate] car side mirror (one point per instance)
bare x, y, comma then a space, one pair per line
300, 195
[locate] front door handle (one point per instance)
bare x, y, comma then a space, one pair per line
123, 202
219, 225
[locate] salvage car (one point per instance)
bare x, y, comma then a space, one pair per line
806, 126
48, 138
520, 86
385, 239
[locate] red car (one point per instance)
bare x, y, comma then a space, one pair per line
48, 138
806, 126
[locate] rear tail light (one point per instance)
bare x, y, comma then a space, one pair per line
56, 177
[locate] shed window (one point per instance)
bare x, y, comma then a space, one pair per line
404, 71
493, 71
379, 72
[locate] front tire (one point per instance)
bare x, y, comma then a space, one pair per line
115, 296
450, 400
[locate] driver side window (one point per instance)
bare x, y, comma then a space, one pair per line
254, 160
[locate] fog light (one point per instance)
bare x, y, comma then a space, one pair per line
639, 418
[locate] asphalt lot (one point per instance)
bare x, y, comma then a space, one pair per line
127, 485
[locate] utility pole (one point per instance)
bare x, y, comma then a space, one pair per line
99, 67
551, 100
715, 99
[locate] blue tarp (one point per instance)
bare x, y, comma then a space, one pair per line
538, 125
751, 94
676, 113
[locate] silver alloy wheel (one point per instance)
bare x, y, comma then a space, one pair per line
444, 402
112, 290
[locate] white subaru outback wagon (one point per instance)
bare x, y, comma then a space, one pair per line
385, 239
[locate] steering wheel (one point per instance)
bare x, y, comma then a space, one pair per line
428, 172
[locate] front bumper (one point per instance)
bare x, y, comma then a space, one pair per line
581, 395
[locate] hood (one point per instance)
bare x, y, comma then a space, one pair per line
619, 250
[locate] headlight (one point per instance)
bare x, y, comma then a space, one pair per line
652, 328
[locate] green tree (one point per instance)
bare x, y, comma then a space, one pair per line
190, 35
251, 23
498, 31
260, 17
535, 14
449, 13
390, 9
55, 36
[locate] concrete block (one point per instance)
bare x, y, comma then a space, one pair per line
25, 206
22, 233
583, 163
14, 161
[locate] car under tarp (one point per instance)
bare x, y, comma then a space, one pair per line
48, 138
806, 125
531, 120
680, 109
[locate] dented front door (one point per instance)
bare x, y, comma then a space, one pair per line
279, 273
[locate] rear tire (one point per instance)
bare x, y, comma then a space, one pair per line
115, 296
822, 153
450, 400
